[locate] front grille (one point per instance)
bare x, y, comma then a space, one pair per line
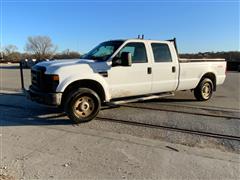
37, 73
34, 78
42, 82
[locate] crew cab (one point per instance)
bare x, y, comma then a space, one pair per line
120, 71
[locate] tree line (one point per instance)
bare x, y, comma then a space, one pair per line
231, 56
42, 47
39, 48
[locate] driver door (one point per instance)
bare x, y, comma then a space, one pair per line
125, 81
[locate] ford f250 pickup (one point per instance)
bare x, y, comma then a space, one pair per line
120, 71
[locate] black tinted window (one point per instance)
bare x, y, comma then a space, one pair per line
161, 52
137, 50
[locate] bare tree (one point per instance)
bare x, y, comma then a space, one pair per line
41, 46
67, 54
10, 53
9, 49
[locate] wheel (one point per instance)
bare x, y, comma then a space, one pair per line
83, 105
204, 90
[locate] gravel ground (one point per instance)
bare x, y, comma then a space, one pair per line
39, 142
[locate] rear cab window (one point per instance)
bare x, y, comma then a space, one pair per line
161, 52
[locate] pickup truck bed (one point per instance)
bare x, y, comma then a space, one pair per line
191, 70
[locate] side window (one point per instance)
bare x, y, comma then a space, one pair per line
161, 52
137, 50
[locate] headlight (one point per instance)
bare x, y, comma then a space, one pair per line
50, 82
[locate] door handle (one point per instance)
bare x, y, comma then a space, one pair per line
173, 69
149, 70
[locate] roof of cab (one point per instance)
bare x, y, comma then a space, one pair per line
140, 40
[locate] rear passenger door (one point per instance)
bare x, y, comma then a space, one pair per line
164, 68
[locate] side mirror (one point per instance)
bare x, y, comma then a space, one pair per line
116, 61
126, 59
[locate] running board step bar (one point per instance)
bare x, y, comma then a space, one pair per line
139, 99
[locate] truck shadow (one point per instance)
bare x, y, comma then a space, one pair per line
16, 111
36, 120
35, 115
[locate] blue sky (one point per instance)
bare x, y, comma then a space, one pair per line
79, 25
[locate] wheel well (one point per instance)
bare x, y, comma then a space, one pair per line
212, 77
91, 84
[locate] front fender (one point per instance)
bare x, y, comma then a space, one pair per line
64, 83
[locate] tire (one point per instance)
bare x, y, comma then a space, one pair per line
204, 90
82, 105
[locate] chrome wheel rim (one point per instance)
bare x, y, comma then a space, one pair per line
84, 106
206, 90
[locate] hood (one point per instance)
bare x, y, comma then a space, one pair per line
61, 63
69, 65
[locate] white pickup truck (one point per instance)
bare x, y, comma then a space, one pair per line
120, 71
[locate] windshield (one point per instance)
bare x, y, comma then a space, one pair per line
103, 51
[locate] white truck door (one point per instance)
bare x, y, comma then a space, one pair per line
164, 68
133, 80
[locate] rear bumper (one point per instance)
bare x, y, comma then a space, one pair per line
52, 99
